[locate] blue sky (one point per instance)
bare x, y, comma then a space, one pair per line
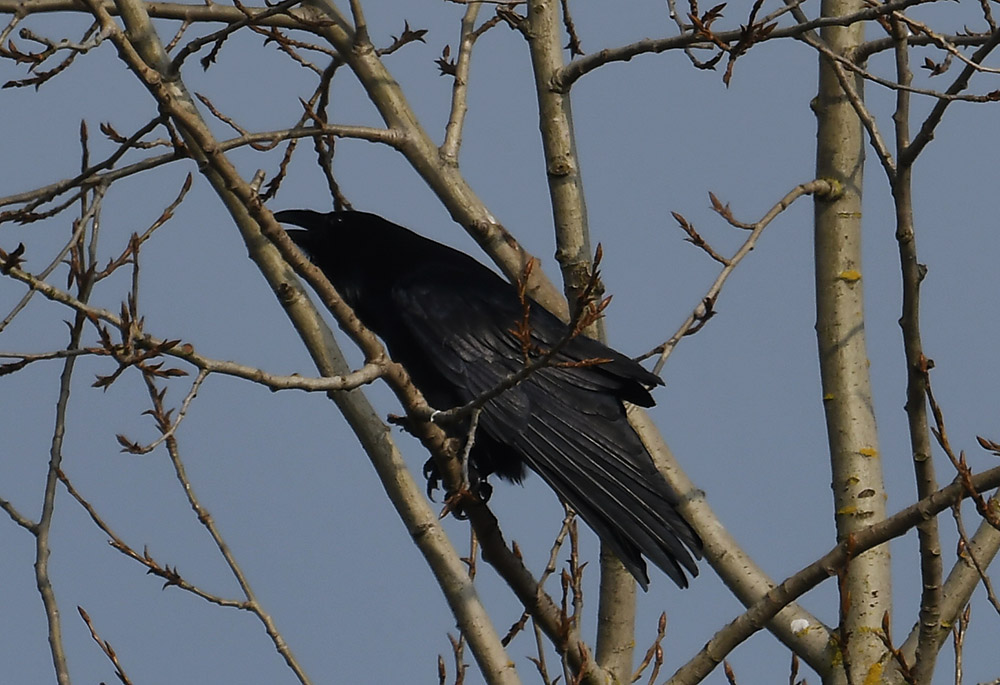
288, 484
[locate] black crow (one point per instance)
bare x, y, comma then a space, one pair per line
450, 322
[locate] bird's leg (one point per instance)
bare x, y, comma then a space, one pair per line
470, 440
471, 485
431, 473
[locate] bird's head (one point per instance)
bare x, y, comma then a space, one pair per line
357, 236
360, 253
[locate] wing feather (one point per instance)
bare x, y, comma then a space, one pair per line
566, 422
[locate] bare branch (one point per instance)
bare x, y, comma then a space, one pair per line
36, 198
249, 18
17, 517
564, 79
456, 119
85, 283
654, 653
574, 46
705, 308
105, 647
92, 178
987, 509
79, 226
361, 39
958, 631
405, 37
186, 352
695, 239
131, 253
931, 570
206, 520
168, 429
738, 630
170, 575
960, 83
877, 45
938, 40
91, 39
741, 574
166, 10
840, 66
616, 605
966, 551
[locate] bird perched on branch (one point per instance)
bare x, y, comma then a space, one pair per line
460, 330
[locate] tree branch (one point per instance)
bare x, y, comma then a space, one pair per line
616, 605
705, 308
961, 82
366, 374
858, 542
93, 175
859, 494
916, 371
466, 208
741, 574
564, 79
456, 119
146, 58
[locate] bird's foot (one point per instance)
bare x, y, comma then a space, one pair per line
476, 487
456, 502
433, 478
404, 422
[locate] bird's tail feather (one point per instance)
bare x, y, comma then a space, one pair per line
600, 470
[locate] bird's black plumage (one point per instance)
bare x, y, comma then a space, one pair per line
448, 320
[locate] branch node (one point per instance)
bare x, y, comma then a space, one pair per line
833, 191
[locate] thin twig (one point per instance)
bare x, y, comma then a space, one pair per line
958, 632
17, 517
170, 429
257, 16
574, 46
841, 66
967, 551
36, 198
961, 82
105, 647
206, 520
80, 226
654, 654
460, 83
170, 575
564, 79
132, 251
92, 177
704, 310
366, 374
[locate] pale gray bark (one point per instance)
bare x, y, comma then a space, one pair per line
858, 490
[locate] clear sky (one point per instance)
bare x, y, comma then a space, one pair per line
285, 480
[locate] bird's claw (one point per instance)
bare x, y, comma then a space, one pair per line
432, 477
454, 504
483, 490
477, 487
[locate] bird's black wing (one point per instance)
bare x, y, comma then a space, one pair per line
566, 422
